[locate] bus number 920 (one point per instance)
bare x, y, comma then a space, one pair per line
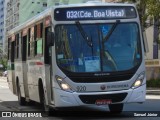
81, 88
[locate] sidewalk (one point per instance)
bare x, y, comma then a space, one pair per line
153, 91
3, 78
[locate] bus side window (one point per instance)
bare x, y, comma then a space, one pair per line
29, 41
17, 46
24, 47
12, 51
35, 40
38, 39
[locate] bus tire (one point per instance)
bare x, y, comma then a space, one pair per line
45, 107
21, 99
116, 108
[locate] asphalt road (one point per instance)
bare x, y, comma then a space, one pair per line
8, 102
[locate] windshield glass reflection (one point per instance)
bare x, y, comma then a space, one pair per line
120, 52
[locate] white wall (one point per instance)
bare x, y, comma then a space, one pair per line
149, 35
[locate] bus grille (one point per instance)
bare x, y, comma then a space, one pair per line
98, 79
91, 99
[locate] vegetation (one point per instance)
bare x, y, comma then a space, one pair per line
148, 9
153, 83
3, 60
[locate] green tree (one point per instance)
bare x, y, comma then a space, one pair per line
3, 60
153, 8
147, 9
150, 9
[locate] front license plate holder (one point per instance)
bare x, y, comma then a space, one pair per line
103, 102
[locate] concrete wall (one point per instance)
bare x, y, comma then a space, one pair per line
152, 73
149, 35
152, 69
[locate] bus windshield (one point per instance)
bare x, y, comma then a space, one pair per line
121, 51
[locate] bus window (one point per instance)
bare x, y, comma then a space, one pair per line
24, 47
38, 39
12, 51
35, 40
17, 46
29, 41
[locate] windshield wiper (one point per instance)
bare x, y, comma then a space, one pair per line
111, 30
84, 34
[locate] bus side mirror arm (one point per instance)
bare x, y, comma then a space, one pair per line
50, 39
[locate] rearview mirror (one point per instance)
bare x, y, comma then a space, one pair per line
50, 39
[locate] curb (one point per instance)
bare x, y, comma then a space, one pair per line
153, 92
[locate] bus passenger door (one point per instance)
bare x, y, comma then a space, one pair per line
48, 66
24, 66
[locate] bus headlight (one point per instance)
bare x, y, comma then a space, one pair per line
63, 85
139, 81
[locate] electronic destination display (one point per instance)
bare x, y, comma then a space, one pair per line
94, 13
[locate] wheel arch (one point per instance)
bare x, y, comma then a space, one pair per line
42, 90
17, 82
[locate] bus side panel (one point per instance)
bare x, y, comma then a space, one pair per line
19, 76
34, 75
48, 84
30, 74
11, 78
25, 80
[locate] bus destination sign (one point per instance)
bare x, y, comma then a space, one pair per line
94, 13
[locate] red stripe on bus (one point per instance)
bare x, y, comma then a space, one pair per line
39, 63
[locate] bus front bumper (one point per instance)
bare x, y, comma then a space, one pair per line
67, 99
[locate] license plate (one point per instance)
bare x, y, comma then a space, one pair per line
103, 102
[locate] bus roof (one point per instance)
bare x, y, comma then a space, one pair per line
48, 12
94, 4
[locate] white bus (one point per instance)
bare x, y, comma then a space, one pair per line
88, 54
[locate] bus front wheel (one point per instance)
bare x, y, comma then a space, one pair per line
116, 108
45, 107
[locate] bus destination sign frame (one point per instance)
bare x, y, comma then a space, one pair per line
94, 13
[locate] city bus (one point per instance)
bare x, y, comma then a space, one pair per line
89, 54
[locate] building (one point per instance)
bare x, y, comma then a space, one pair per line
30, 8
1, 22
19, 11
11, 18
5, 16
57, 2
12, 15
